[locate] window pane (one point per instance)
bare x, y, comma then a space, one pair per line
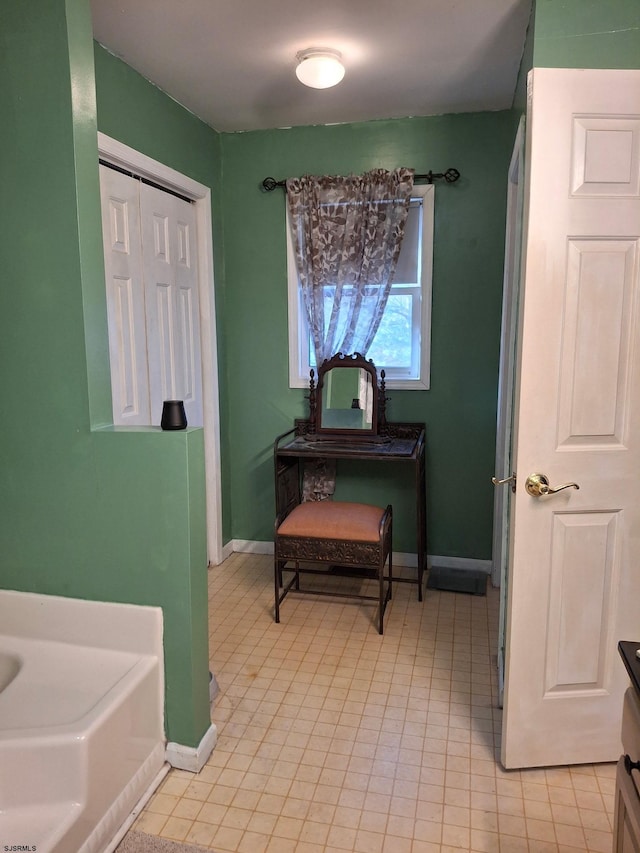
407, 271
343, 317
391, 346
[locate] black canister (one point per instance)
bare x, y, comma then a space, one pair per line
173, 415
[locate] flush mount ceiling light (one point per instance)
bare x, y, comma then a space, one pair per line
319, 67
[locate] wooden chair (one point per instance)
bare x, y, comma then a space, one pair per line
333, 538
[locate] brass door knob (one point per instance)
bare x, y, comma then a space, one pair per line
537, 485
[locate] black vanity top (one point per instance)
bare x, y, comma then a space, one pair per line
627, 651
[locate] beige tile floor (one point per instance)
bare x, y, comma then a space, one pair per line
332, 738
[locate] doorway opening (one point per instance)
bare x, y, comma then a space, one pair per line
129, 160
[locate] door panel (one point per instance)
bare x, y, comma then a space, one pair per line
188, 342
583, 548
125, 298
574, 556
598, 302
160, 324
171, 288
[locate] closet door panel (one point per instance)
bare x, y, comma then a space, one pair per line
172, 305
125, 298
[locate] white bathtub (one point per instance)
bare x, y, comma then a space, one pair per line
81, 719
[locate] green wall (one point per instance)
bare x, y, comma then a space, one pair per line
579, 34
87, 510
460, 408
587, 34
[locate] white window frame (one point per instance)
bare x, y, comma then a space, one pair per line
298, 328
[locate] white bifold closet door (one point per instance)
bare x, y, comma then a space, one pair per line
152, 300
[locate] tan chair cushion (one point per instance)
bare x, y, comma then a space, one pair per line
334, 520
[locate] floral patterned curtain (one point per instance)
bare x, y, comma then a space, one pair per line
347, 233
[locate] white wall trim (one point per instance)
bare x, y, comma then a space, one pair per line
248, 546
192, 758
227, 551
128, 158
465, 563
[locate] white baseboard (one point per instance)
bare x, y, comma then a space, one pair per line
192, 758
227, 550
468, 563
249, 546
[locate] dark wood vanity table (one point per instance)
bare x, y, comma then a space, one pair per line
626, 827
352, 425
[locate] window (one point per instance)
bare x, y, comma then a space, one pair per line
402, 346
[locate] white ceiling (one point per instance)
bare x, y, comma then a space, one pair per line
231, 62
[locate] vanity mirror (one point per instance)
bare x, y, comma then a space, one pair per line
347, 400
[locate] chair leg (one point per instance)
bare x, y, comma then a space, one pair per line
381, 594
277, 577
384, 597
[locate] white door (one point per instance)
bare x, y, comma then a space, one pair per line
575, 555
125, 298
152, 300
171, 300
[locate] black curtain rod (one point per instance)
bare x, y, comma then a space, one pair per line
450, 176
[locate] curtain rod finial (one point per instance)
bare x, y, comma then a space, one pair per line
269, 184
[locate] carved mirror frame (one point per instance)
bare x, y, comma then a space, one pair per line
348, 422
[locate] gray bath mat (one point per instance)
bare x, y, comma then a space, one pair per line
140, 842
458, 580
